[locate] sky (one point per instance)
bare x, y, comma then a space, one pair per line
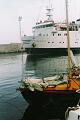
31, 12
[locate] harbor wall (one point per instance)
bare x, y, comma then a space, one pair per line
10, 48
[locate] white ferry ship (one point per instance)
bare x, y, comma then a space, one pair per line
51, 38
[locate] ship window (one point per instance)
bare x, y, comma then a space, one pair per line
33, 28
47, 34
49, 25
44, 26
76, 28
59, 42
40, 34
63, 42
59, 34
52, 42
53, 34
70, 28
27, 40
48, 42
40, 26
55, 28
65, 34
63, 28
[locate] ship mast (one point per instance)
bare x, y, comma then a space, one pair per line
49, 9
68, 40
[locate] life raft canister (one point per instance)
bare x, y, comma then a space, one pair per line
33, 45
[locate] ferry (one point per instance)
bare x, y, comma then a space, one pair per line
50, 37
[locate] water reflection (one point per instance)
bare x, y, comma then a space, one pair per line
45, 66
33, 114
39, 114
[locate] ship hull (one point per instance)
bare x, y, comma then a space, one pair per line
50, 51
56, 101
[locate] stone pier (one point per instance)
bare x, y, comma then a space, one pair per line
10, 48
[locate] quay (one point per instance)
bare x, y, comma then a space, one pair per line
10, 48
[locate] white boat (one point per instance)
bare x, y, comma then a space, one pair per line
51, 38
73, 113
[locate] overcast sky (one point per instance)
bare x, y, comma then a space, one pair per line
31, 11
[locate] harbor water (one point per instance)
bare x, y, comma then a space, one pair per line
12, 104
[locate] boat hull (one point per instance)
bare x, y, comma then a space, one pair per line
50, 51
57, 101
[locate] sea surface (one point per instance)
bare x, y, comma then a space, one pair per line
13, 68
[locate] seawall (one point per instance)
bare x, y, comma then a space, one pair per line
10, 48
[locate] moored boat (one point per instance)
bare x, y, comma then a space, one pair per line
50, 37
57, 94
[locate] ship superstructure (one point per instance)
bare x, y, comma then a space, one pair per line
50, 37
